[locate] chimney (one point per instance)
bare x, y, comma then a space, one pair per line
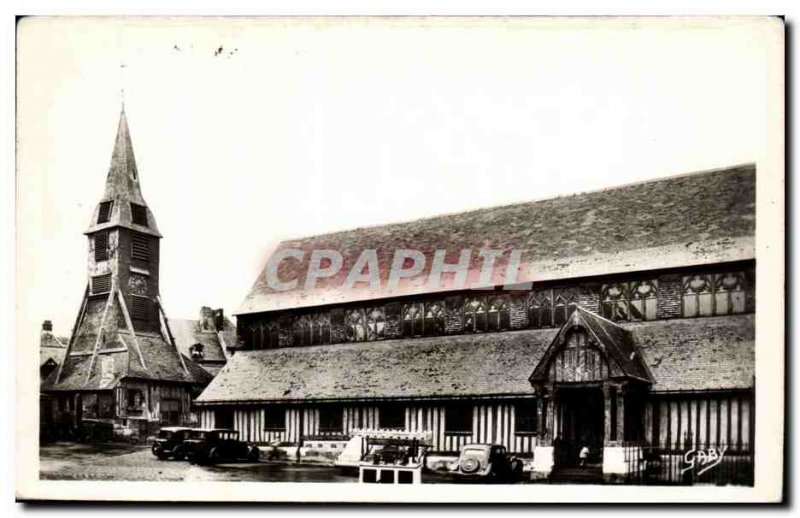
219, 319
47, 325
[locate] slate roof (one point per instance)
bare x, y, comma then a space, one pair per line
698, 218
699, 354
154, 359
682, 354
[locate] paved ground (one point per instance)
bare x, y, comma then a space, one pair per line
75, 461
118, 461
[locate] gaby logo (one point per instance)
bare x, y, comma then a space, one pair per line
703, 460
405, 264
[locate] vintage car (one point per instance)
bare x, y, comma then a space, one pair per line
486, 462
213, 445
169, 442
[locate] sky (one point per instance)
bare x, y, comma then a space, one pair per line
250, 131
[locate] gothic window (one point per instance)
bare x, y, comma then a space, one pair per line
540, 309
356, 326
101, 246
698, 295
566, 300
302, 331
626, 301
252, 337
104, 212
729, 293
270, 335
720, 294
498, 316
322, 330
139, 214
412, 320
140, 247
615, 301
644, 300
434, 319
376, 322
475, 316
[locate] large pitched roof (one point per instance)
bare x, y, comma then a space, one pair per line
692, 219
683, 354
148, 357
123, 188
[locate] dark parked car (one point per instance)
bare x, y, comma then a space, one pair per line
212, 445
490, 462
169, 443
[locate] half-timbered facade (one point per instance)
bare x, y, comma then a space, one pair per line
631, 322
122, 366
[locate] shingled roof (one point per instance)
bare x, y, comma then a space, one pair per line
149, 357
682, 354
698, 218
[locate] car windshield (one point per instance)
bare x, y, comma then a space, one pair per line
198, 435
164, 434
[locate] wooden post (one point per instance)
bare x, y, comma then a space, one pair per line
620, 416
607, 415
550, 429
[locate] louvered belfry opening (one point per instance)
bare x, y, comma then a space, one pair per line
101, 246
140, 247
101, 284
139, 214
104, 212
140, 307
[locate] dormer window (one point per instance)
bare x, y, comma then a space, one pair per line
139, 214
104, 213
196, 351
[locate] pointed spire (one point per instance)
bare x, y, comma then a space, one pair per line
122, 185
123, 177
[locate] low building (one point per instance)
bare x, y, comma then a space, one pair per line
636, 335
52, 349
122, 372
209, 340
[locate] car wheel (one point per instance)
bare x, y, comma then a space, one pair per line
516, 468
470, 465
158, 452
254, 455
213, 456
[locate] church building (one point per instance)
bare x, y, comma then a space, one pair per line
122, 367
630, 333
